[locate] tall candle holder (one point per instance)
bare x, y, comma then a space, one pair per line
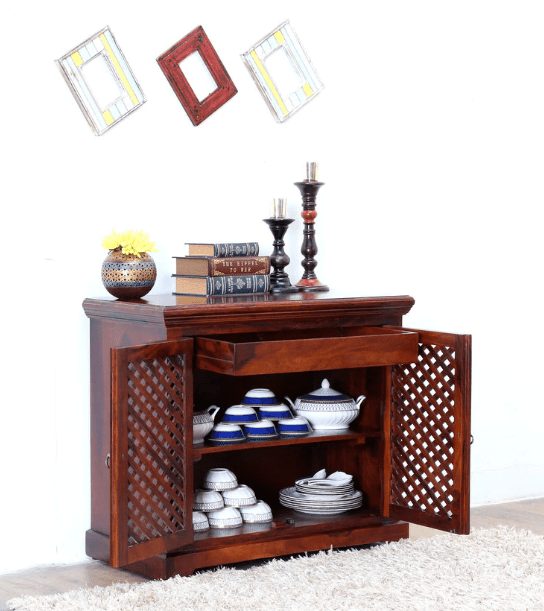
279, 280
308, 189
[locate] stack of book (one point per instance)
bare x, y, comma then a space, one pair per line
222, 269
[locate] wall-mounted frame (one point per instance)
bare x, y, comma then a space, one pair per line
197, 75
283, 72
101, 81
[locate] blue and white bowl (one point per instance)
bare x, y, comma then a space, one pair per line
294, 426
259, 396
268, 406
275, 412
240, 414
227, 432
261, 429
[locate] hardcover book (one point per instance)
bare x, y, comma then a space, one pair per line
221, 285
228, 249
217, 266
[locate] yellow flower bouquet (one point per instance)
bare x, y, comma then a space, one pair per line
129, 242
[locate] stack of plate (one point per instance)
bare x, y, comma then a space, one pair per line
321, 495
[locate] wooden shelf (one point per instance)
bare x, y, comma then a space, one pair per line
316, 437
284, 520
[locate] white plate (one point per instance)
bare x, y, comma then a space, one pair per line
316, 504
324, 491
292, 493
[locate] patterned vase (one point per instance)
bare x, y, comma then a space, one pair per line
128, 276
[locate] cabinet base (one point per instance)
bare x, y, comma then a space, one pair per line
282, 540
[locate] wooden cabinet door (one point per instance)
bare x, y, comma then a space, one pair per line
429, 424
151, 450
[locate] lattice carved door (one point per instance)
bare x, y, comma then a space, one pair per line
430, 434
151, 470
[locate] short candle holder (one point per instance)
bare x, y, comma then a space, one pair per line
308, 189
279, 280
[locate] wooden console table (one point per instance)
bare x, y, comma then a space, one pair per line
156, 360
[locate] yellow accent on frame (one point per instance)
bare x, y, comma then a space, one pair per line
307, 90
107, 117
269, 82
279, 37
119, 71
77, 58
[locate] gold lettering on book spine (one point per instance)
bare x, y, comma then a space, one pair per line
235, 267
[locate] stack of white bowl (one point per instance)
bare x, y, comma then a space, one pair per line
258, 417
223, 503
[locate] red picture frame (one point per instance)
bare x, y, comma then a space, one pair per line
169, 61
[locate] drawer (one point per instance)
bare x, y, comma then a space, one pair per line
308, 350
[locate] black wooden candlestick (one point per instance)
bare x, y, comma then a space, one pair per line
309, 281
279, 280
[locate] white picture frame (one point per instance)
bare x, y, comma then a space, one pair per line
283, 72
101, 81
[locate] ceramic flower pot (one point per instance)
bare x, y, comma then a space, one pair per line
128, 276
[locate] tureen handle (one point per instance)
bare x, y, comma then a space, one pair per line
359, 400
325, 383
292, 404
212, 410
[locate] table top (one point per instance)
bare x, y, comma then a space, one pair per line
170, 308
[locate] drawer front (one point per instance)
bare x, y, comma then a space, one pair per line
258, 354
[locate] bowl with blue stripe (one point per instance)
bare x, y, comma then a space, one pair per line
227, 433
294, 426
260, 430
240, 414
258, 397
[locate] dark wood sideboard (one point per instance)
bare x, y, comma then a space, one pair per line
155, 361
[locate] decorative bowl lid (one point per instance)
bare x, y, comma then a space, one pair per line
325, 394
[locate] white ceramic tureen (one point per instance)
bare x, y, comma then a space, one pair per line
203, 423
326, 408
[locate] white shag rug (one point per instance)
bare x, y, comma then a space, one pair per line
496, 569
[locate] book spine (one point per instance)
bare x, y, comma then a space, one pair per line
236, 249
238, 285
235, 266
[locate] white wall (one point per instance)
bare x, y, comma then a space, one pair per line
429, 135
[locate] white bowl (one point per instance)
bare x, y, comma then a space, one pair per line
255, 514
228, 517
219, 479
200, 521
238, 497
207, 500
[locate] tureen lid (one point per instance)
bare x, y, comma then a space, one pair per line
326, 393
